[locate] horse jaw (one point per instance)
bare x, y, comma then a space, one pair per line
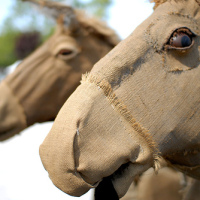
12, 116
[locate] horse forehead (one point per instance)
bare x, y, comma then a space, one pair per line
172, 12
155, 29
58, 39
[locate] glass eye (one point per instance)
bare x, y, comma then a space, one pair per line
180, 39
65, 52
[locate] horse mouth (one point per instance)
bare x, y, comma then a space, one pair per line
120, 171
7, 134
106, 187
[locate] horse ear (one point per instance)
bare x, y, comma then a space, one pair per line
60, 12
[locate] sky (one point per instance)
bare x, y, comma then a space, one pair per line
22, 176
4, 9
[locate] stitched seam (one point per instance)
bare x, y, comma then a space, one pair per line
118, 105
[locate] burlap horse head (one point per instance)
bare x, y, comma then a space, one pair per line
43, 81
140, 102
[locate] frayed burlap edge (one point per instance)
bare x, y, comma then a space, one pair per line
119, 106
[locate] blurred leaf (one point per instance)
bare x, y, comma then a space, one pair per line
7, 55
95, 7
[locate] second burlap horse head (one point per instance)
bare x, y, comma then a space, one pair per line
40, 85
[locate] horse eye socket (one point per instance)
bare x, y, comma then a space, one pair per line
65, 52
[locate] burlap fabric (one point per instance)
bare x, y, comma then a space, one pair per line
192, 191
75, 161
139, 102
166, 184
9, 105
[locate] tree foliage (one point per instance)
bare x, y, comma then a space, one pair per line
7, 54
23, 19
95, 7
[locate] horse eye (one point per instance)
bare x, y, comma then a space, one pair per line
65, 52
181, 40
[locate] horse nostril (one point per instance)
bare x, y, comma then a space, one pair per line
77, 129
